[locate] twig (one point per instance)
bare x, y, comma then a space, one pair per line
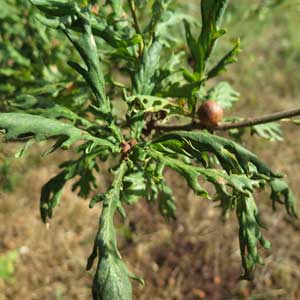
239, 124
135, 19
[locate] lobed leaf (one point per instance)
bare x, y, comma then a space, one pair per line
224, 94
56, 8
229, 58
85, 45
52, 190
226, 185
166, 201
249, 234
19, 125
111, 280
212, 12
233, 157
44, 107
282, 194
143, 80
269, 131
134, 187
154, 104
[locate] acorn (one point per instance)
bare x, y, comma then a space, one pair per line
210, 113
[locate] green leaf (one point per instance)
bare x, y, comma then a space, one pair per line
46, 108
221, 181
85, 46
113, 38
154, 104
116, 6
212, 12
233, 157
170, 19
229, 58
158, 8
166, 201
100, 28
269, 131
112, 277
51, 194
18, 125
191, 41
16, 56
224, 94
52, 190
143, 80
56, 8
144, 84
134, 187
168, 73
282, 194
153, 178
7, 9
249, 234
190, 173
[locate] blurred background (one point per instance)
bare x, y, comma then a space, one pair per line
197, 255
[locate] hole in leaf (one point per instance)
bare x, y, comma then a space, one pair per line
25, 135
157, 103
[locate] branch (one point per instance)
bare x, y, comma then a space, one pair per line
239, 124
135, 19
